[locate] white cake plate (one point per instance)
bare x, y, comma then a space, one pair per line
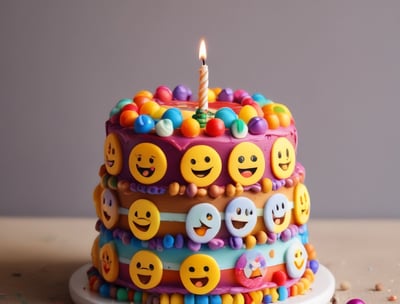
321, 290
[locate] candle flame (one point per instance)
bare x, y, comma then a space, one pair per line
202, 51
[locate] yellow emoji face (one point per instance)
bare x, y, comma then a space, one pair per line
109, 265
113, 154
201, 165
147, 163
283, 158
145, 269
95, 252
301, 210
109, 209
199, 274
144, 219
246, 163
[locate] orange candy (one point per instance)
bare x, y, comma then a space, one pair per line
127, 118
190, 127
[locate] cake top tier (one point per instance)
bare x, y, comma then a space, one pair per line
166, 111
160, 139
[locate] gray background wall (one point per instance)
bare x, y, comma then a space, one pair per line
64, 64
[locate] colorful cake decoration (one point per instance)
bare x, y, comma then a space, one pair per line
201, 201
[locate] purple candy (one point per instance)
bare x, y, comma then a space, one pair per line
180, 93
179, 241
225, 95
194, 246
257, 126
314, 266
236, 242
215, 244
355, 301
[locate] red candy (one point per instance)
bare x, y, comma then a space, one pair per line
130, 106
279, 278
215, 127
163, 93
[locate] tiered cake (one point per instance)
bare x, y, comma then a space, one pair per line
201, 206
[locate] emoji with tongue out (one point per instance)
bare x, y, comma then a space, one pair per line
246, 163
147, 163
203, 222
199, 273
283, 158
112, 154
277, 213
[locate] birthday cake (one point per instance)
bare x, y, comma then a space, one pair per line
201, 206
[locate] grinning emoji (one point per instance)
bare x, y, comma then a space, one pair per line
199, 274
201, 165
147, 163
277, 213
143, 219
240, 216
283, 158
246, 163
203, 222
109, 209
296, 259
109, 265
145, 269
301, 210
112, 154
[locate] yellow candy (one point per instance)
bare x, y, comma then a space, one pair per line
238, 299
247, 112
257, 296
149, 108
176, 298
211, 96
227, 299
164, 298
216, 90
159, 113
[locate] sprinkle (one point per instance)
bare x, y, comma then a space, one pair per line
392, 298
379, 287
345, 285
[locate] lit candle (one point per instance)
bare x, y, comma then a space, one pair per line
203, 86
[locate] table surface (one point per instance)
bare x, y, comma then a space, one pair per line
38, 256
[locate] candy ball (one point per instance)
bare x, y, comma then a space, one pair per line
215, 127
227, 115
260, 99
175, 116
238, 95
163, 93
164, 127
226, 95
180, 93
355, 301
190, 127
143, 124
144, 93
123, 102
314, 266
211, 96
149, 108
114, 111
130, 106
239, 128
257, 125
217, 91
247, 112
127, 118
141, 100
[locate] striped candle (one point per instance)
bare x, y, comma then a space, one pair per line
203, 81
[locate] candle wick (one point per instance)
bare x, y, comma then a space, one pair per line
204, 61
